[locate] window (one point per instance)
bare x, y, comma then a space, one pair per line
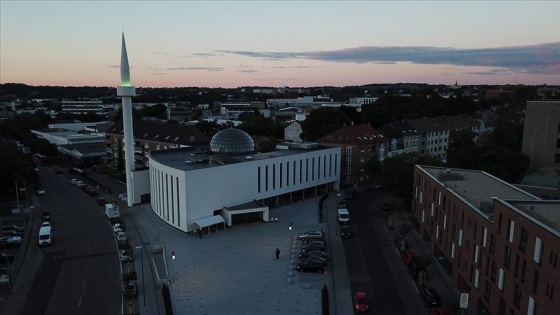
535, 281
507, 256
492, 243
487, 291
539, 248
510, 231
523, 240
523, 268
517, 295
501, 279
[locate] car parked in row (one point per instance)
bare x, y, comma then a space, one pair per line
310, 234
345, 231
126, 255
361, 302
314, 253
130, 288
10, 241
431, 297
311, 266
121, 236
321, 245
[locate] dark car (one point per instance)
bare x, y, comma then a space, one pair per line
311, 239
431, 297
385, 207
341, 204
345, 231
101, 201
316, 259
311, 266
321, 245
46, 214
130, 288
314, 253
350, 194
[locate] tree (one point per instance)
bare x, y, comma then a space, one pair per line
322, 121
504, 163
460, 138
374, 167
508, 132
398, 172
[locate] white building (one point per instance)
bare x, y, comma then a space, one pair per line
235, 185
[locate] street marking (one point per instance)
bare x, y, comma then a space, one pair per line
80, 302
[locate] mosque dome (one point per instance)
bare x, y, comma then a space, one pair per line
232, 141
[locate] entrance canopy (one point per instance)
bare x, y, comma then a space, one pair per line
208, 221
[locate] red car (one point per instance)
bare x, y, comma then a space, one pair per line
361, 303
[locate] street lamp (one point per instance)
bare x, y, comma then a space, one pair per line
143, 284
173, 258
290, 241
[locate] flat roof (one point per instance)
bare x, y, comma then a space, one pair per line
475, 186
181, 158
546, 211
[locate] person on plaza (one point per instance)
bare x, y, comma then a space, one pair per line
199, 233
277, 253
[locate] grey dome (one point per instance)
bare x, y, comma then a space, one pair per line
232, 141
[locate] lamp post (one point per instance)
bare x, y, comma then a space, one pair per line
173, 262
143, 285
290, 228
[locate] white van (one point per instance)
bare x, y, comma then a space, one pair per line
45, 236
343, 216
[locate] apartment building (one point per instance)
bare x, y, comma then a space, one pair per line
496, 242
541, 133
402, 138
434, 132
151, 135
83, 106
359, 144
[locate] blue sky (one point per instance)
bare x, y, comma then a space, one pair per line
280, 43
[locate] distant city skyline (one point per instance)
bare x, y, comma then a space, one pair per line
280, 43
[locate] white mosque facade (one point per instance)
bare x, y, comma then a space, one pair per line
233, 184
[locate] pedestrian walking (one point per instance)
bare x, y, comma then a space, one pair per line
199, 233
277, 253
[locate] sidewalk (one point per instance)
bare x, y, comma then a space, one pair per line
436, 277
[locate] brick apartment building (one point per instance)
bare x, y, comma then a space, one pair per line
358, 143
495, 241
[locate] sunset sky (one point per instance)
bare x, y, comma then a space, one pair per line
280, 43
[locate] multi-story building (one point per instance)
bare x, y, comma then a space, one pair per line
83, 106
434, 132
541, 133
496, 242
359, 144
234, 184
402, 138
151, 135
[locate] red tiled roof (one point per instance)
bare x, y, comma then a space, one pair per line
355, 134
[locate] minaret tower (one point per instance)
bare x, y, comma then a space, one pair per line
126, 92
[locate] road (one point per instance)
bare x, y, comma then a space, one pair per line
80, 272
370, 257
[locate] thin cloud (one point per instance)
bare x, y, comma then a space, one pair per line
202, 55
196, 68
247, 71
542, 58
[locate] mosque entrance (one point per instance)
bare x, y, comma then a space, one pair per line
247, 217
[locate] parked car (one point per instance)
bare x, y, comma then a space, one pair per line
46, 223
385, 207
314, 253
46, 214
100, 201
12, 233
6, 257
431, 297
121, 236
6, 228
361, 303
126, 255
350, 194
308, 240
321, 245
74, 181
316, 259
311, 266
41, 191
345, 231
130, 288
11, 240
408, 257
341, 204
117, 227
308, 234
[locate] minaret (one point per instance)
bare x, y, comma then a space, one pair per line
126, 92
